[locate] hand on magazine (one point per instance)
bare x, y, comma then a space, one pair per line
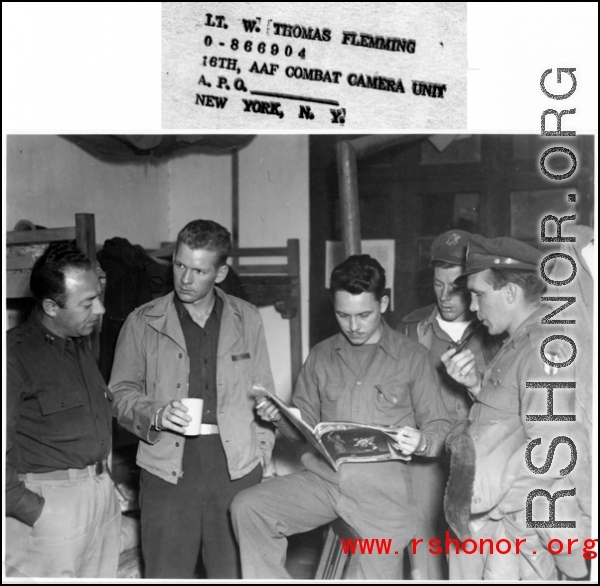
407, 440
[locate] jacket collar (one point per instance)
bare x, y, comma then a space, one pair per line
45, 336
166, 321
232, 317
422, 314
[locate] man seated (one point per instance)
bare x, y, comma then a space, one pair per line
367, 374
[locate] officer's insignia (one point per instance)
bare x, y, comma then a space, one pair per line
452, 239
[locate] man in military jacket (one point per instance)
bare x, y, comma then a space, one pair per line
505, 454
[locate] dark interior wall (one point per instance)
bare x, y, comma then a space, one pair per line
488, 184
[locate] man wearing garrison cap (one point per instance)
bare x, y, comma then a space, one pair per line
500, 455
447, 323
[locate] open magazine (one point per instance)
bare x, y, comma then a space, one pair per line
342, 441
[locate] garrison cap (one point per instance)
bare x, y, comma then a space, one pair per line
450, 247
500, 253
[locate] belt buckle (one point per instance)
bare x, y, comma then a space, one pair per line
99, 468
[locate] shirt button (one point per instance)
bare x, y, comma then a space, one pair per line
358, 383
180, 355
178, 385
62, 403
394, 400
138, 427
174, 473
176, 444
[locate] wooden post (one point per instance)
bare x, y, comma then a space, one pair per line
347, 154
293, 245
349, 207
85, 235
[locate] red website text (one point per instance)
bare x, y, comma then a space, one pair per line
467, 546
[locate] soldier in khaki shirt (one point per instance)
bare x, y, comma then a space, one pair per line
503, 453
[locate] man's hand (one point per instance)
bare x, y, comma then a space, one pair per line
267, 410
408, 440
174, 417
461, 367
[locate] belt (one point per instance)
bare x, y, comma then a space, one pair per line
208, 429
70, 474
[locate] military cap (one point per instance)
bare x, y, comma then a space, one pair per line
500, 253
450, 247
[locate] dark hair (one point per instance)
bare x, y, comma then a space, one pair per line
47, 279
529, 281
206, 235
359, 274
442, 264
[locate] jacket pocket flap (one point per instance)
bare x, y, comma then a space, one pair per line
56, 401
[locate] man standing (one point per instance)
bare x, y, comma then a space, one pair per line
370, 374
196, 342
63, 516
447, 323
494, 467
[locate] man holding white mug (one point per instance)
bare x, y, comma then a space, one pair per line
194, 343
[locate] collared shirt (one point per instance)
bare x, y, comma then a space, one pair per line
202, 346
399, 386
58, 409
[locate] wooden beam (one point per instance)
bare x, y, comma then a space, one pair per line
36, 236
350, 210
293, 245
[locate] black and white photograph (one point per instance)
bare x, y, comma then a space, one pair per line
150, 254
300, 292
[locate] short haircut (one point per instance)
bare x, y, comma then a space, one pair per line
206, 235
442, 264
47, 279
359, 274
529, 281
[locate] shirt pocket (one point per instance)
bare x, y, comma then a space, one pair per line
54, 401
332, 408
390, 404
502, 398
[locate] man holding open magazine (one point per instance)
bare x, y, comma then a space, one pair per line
368, 374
